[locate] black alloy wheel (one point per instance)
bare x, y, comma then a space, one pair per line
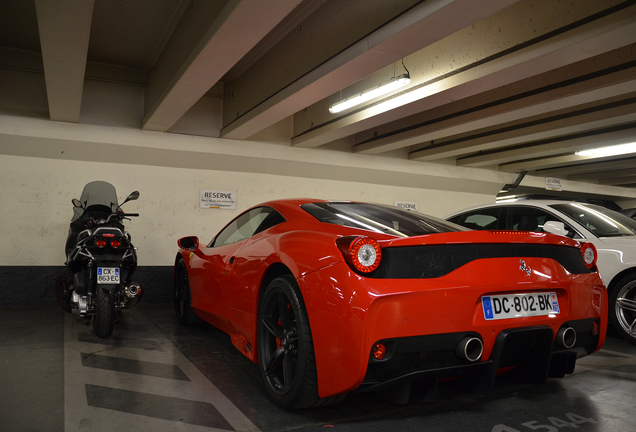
182, 296
622, 302
285, 346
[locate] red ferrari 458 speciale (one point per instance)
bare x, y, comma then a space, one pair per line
330, 297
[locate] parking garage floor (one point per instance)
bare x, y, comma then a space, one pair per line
153, 374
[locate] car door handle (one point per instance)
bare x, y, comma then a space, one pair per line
232, 260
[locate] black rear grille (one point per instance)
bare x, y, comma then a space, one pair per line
431, 261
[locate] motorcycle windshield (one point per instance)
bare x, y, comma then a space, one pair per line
97, 196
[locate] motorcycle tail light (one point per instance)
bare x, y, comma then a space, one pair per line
589, 254
361, 252
115, 243
100, 242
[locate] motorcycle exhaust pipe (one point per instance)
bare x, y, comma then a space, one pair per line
133, 290
470, 348
133, 294
565, 337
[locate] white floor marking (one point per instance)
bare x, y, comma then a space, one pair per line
79, 416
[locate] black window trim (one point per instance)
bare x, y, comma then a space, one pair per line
508, 216
256, 232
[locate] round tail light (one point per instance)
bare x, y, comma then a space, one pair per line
115, 243
361, 252
100, 242
589, 254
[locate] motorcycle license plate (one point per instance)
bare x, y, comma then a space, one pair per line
519, 305
107, 275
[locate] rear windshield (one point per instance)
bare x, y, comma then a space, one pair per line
379, 218
599, 220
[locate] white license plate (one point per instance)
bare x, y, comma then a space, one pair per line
519, 305
107, 275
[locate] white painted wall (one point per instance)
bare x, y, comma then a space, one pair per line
36, 198
44, 164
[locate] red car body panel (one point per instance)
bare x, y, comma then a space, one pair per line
447, 305
349, 312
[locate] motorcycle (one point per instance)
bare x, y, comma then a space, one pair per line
100, 259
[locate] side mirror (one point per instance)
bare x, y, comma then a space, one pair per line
554, 227
188, 243
133, 196
77, 203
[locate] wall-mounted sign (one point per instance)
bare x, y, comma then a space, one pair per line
217, 199
553, 184
407, 205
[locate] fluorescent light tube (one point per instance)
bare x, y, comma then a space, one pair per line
609, 150
367, 95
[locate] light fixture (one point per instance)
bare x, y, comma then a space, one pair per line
609, 150
384, 88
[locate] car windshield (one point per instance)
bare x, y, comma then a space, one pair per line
379, 218
599, 220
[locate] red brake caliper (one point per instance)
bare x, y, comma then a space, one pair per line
279, 342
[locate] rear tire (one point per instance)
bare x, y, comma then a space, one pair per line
622, 302
286, 349
104, 319
183, 296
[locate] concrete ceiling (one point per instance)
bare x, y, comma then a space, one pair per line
504, 85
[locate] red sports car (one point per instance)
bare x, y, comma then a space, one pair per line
331, 297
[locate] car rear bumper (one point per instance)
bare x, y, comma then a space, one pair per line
349, 314
527, 354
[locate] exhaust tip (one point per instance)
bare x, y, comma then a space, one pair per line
470, 348
566, 337
132, 290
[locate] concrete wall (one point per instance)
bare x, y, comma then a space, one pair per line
36, 198
43, 165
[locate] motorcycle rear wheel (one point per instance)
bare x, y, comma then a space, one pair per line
104, 319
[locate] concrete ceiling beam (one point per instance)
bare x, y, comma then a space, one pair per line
550, 147
486, 110
64, 28
422, 25
543, 166
488, 72
604, 175
557, 99
618, 181
587, 166
571, 121
176, 84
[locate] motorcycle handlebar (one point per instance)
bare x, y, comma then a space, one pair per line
117, 216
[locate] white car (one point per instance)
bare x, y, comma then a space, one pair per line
613, 234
